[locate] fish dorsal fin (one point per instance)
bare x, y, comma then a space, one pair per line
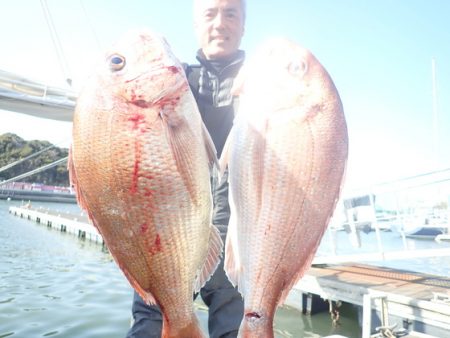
212, 259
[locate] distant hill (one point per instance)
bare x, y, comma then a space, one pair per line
14, 148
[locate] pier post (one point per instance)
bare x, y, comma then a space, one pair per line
309, 302
367, 316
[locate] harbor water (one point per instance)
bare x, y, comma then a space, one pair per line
53, 284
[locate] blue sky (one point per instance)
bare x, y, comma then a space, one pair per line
378, 53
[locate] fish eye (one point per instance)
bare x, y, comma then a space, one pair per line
116, 62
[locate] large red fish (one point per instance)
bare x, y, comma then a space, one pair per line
140, 162
286, 154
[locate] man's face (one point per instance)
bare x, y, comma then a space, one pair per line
219, 25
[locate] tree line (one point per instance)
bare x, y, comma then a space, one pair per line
13, 148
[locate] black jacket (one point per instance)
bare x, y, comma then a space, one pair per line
211, 84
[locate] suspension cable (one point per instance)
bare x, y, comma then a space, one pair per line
91, 26
56, 42
10, 165
35, 171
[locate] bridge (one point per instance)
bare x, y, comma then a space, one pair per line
22, 95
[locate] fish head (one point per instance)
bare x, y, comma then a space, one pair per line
140, 69
283, 75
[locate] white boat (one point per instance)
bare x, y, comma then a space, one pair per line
425, 232
424, 227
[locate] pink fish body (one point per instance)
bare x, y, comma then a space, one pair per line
140, 161
286, 154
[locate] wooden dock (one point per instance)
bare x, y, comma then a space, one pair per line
419, 302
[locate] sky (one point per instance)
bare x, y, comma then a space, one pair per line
378, 52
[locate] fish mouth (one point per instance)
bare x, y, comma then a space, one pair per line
141, 103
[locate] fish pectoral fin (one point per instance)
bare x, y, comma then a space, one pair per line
239, 82
212, 259
210, 148
225, 156
182, 144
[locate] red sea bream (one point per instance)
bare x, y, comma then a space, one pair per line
140, 162
286, 154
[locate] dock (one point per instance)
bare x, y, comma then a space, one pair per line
390, 300
77, 224
386, 296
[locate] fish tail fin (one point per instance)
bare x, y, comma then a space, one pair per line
191, 330
212, 258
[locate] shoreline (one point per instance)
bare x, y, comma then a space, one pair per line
41, 196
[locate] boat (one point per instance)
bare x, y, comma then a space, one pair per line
425, 232
424, 227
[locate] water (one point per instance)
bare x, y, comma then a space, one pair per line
54, 285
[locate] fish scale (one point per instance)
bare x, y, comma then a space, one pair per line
140, 163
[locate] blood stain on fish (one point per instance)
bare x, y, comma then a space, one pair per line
144, 228
156, 247
137, 162
136, 119
173, 69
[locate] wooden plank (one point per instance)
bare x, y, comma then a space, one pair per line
410, 295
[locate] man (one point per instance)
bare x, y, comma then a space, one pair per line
219, 26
